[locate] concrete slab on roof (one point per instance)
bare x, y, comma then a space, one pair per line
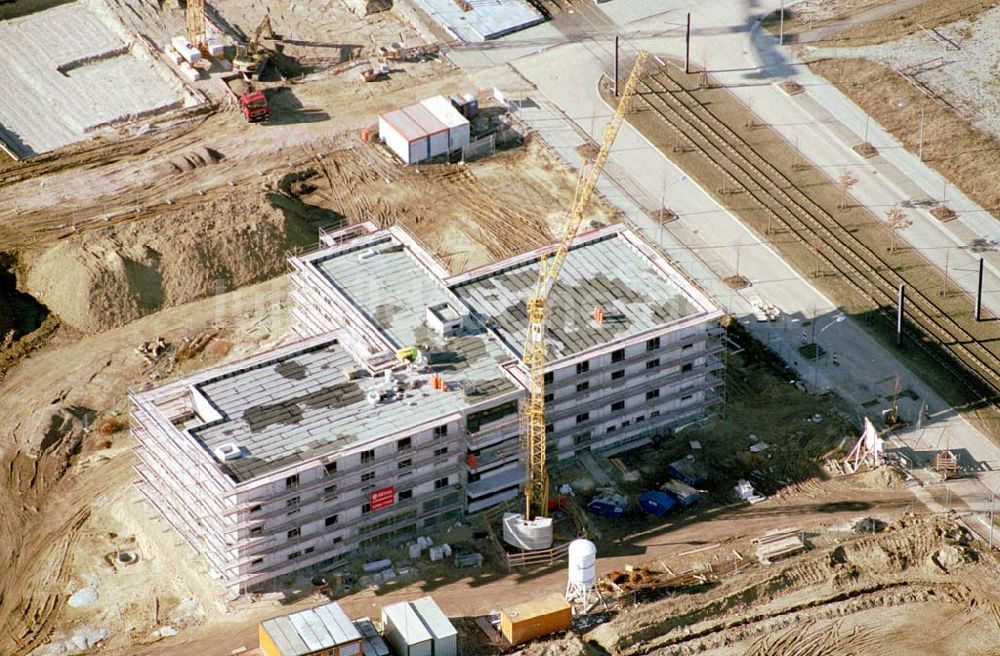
635, 293
66, 72
484, 20
295, 404
388, 285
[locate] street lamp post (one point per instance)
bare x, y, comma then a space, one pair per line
920, 146
781, 25
834, 320
663, 201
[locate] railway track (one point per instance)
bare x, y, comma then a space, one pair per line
858, 264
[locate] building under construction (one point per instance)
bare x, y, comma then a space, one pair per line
396, 410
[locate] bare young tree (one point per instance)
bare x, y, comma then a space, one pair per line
847, 180
895, 219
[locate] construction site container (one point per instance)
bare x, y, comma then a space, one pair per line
535, 618
684, 493
656, 503
419, 628
688, 471
443, 632
403, 136
424, 130
405, 632
321, 631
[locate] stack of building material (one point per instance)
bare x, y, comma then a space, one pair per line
746, 491
372, 643
946, 464
684, 493
419, 628
778, 544
535, 618
321, 630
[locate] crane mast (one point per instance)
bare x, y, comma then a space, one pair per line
536, 490
195, 16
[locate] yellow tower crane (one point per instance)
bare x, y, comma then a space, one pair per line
536, 490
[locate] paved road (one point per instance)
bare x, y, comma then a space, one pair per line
556, 82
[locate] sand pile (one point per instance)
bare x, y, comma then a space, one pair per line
115, 275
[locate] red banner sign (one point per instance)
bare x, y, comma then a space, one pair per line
383, 498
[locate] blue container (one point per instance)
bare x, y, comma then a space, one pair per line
687, 471
607, 508
656, 503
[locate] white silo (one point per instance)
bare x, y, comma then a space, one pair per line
581, 587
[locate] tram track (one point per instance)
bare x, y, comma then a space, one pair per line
859, 265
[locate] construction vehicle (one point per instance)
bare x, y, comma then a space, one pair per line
251, 101
533, 434
252, 57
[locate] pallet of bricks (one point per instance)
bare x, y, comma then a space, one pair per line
782, 543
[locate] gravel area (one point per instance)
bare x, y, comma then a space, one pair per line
964, 74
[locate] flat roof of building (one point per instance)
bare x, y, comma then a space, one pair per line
382, 279
486, 20
610, 269
311, 630
296, 403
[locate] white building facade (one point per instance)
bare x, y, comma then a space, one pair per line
396, 411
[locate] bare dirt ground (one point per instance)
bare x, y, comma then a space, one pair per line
951, 86
854, 593
805, 494
115, 238
866, 22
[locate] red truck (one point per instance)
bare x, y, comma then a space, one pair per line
252, 102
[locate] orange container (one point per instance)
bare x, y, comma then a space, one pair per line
535, 618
